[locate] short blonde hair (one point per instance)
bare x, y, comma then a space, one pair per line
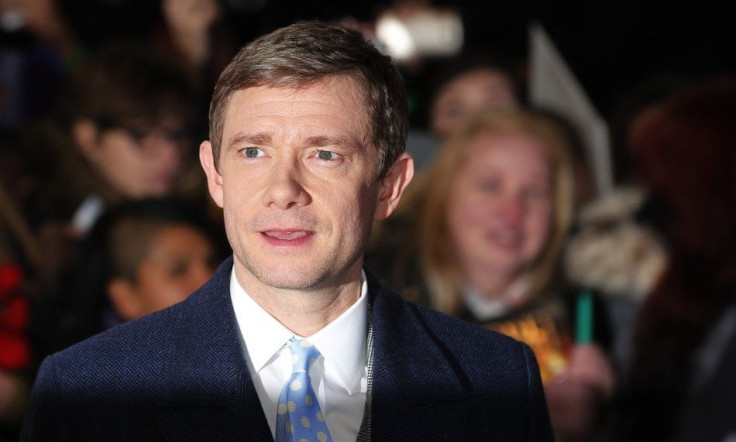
431, 194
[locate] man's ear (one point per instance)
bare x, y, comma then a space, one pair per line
214, 179
393, 186
124, 298
85, 134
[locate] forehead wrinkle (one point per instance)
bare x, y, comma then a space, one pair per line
304, 108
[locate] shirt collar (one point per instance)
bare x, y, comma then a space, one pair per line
342, 342
485, 309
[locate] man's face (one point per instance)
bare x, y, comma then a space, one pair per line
298, 184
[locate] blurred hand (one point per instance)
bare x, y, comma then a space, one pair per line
13, 397
187, 17
573, 409
589, 365
574, 396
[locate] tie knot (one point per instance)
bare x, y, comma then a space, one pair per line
303, 354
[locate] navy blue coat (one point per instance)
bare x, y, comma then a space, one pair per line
181, 374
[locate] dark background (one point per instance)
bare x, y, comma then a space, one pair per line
611, 45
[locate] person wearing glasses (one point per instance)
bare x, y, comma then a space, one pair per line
122, 133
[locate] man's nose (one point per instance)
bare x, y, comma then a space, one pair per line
285, 188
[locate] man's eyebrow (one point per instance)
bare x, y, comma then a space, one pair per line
325, 140
259, 139
264, 138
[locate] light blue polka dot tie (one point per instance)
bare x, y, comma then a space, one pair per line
299, 417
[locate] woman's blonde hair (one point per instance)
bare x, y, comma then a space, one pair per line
431, 193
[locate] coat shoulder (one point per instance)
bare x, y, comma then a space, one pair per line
474, 343
146, 341
482, 376
475, 348
132, 349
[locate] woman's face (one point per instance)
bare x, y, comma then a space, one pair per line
139, 163
467, 95
500, 208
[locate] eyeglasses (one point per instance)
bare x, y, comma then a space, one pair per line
147, 139
150, 140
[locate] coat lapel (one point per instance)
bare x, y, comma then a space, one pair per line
210, 395
418, 393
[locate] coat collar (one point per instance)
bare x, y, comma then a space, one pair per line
212, 393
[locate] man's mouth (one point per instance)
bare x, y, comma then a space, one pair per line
287, 237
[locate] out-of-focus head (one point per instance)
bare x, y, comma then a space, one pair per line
468, 86
305, 53
630, 109
501, 200
156, 254
129, 110
684, 151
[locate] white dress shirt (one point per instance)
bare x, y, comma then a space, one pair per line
339, 377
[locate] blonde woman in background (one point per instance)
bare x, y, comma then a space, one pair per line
479, 237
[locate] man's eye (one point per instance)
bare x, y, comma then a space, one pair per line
252, 152
327, 155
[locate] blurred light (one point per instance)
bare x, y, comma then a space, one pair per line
11, 21
395, 37
424, 34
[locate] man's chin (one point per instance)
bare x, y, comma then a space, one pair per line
301, 275
289, 279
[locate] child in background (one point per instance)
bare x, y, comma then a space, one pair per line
478, 236
140, 257
121, 134
155, 258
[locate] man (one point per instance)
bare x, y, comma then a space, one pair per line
307, 127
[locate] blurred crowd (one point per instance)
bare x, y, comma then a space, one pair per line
627, 298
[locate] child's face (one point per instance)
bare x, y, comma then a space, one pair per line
501, 215
180, 260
